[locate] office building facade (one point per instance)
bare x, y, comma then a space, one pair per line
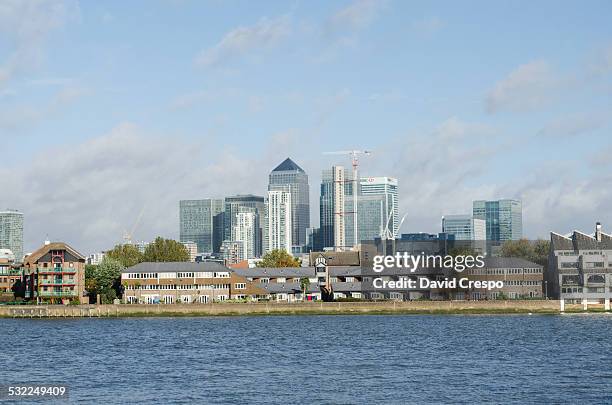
503, 219
200, 222
333, 208
233, 205
387, 189
371, 216
289, 176
464, 227
11, 232
245, 231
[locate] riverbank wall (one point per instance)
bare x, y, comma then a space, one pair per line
275, 308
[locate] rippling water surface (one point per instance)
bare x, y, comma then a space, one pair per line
315, 359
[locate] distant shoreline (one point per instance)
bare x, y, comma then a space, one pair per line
311, 308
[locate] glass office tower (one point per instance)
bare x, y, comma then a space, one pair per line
289, 176
503, 218
11, 232
201, 222
233, 205
387, 188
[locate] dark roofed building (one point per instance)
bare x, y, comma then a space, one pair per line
346, 258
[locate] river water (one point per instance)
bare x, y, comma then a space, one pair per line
315, 359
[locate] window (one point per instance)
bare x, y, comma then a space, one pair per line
240, 286
396, 296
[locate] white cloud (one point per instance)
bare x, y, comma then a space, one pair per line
576, 124
454, 128
245, 40
529, 86
556, 200
89, 193
22, 116
356, 16
29, 24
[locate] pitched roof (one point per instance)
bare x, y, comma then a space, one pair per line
509, 263
347, 258
158, 267
288, 165
580, 241
44, 249
265, 272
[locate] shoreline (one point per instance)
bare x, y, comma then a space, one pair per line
513, 307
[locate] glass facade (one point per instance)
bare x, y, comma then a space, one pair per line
233, 206
289, 176
387, 188
503, 218
245, 230
11, 232
336, 207
371, 217
200, 222
464, 227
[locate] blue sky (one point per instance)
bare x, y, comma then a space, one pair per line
109, 107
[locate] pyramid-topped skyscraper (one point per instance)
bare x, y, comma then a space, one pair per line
288, 176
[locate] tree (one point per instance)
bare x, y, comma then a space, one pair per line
462, 251
279, 258
304, 283
517, 248
104, 280
128, 255
108, 279
90, 279
535, 251
166, 250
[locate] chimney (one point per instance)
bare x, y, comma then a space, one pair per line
598, 231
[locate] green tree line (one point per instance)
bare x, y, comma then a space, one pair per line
105, 279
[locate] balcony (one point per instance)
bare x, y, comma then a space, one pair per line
56, 270
57, 282
57, 294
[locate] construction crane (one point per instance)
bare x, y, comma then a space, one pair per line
354, 154
127, 236
388, 233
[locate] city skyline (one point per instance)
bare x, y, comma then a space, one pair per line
451, 100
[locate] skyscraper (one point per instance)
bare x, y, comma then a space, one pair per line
11, 232
333, 207
278, 229
503, 218
464, 227
200, 222
232, 207
385, 187
245, 230
288, 175
371, 216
